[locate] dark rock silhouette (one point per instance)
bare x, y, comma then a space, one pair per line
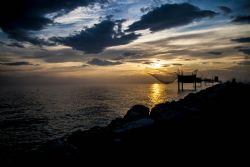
213, 120
137, 112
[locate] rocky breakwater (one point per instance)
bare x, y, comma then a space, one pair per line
216, 118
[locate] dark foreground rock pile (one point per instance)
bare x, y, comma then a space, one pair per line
215, 119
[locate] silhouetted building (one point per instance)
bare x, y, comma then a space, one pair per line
186, 79
216, 79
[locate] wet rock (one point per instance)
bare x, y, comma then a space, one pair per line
159, 109
118, 122
136, 112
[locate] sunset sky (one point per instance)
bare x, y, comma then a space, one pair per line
118, 40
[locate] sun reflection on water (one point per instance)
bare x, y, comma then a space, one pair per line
157, 94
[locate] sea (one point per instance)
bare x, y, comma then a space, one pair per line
33, 114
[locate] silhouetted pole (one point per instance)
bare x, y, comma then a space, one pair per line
178, 85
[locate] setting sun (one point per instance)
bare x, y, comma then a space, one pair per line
156, 65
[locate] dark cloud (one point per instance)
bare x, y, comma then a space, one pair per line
241, 19
15, 44
99, 62
245, 6
4, 59
22, 36
187, 59
147, 62
118, 58
245, 50
217, 62
242, 40
244, 63
215, 53
21, 63
57, 56
127, 54
166, 65
177, 64
109, 17
170, 15
225, 10
138, 54
19, 17
145, 9
96, 39
84, 65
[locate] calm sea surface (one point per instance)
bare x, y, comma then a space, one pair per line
35, 114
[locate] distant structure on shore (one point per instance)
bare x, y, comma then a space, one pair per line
181, 79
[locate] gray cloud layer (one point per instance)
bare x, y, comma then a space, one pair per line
16, 63
242, 40
241, 19
215, 53
245, 51
100, 62
225, 10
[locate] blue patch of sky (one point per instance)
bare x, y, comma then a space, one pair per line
239, 7
3, 36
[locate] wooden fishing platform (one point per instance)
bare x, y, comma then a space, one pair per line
194, 80
187, 79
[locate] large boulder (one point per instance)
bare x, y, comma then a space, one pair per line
137, 112
159, 109
118, 122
